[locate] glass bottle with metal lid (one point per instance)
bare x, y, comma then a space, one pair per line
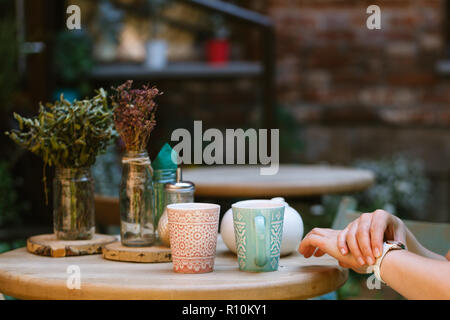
179, 191
175, 192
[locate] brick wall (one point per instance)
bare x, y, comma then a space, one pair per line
366, 93
328, 58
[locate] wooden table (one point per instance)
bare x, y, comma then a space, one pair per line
27, 276
246, 182
291, 180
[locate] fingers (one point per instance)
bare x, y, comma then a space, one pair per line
344, 265
306, 247
342, 244
310, 243
309, 251
352, 242
319, 253
324, 241
378, 227
316, 238
363, 237
399, 231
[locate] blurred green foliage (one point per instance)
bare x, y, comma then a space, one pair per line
7, 246
291, 144
352, 287
9, 204
72, 58
401, 185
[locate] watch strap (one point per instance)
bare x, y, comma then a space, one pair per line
387, 246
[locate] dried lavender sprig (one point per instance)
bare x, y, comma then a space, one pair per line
134, 114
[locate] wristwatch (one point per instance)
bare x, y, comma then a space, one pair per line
387, 246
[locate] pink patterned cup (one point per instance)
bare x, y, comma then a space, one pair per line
193, 231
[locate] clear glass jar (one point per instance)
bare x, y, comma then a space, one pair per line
73, 204
137, 228
160, 178
178, 192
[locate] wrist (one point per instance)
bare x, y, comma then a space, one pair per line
397, 222
388, 247
389, 262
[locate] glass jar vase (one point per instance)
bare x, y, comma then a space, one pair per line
160, 178
73, 204
137, 228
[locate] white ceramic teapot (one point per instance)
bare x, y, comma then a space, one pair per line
292, 229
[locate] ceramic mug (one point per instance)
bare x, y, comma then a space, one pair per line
258, 228
193, 231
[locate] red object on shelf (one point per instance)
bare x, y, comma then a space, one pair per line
218, 51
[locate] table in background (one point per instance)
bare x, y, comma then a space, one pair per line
290, 181
227, 182
27, 276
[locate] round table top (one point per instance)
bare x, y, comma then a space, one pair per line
27, 276
291, 180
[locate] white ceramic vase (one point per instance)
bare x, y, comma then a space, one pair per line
292, 229
156, 54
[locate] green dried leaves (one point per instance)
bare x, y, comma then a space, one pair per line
68, 134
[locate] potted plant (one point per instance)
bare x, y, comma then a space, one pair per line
218, 47
134, 117
68, 136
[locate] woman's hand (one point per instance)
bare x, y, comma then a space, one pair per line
364, 237
321, 241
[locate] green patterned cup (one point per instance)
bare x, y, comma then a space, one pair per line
258, 228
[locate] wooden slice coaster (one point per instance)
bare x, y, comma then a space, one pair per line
116, 251
48, 245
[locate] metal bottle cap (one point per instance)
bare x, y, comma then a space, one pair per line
179, 186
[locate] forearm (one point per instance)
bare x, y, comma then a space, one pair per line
415, 247
416, 277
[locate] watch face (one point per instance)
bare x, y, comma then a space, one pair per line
397, 243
